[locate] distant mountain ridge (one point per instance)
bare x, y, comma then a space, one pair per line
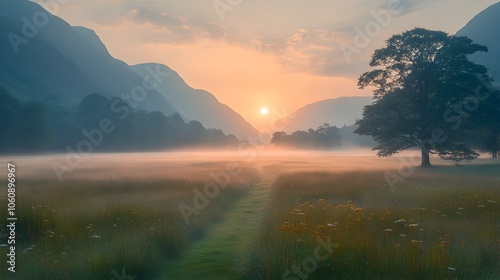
61, 64
197, 104
341, 112
483, 29
336, 112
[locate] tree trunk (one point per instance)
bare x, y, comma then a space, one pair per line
495, 154
426, 159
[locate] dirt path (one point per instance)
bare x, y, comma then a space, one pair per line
222, 252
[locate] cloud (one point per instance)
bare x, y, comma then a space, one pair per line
317, 51
314, 48
175, 29
407, 6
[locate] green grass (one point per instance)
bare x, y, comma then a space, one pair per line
107, 218
450, 229
223, 252
85, 229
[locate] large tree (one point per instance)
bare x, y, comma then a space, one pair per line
425, 90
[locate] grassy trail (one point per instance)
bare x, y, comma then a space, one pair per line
222, 252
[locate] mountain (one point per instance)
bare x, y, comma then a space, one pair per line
43, 58
196, 104
337, 112
482, 29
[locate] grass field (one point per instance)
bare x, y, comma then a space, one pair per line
120, 214
439, 224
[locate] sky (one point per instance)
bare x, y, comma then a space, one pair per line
279, 54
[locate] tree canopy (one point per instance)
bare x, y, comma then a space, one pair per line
324, 137
425, 90
29, 127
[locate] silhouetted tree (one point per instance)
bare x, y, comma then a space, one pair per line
424, 85
24, 127
27, 127
278, 138
324, 137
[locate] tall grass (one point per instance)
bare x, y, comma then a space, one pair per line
86, 228
439, 224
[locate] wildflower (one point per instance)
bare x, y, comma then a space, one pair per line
492, 201
451, 268
330, 225
388, 230
357, 210
460, 208
402, 235
96, 236
481, 206
400, 221
413, 225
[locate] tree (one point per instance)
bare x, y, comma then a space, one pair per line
325, 137
24, 127
425, 90
278, 137
487, 119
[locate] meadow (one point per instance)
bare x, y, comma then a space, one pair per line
438, 224
117, 216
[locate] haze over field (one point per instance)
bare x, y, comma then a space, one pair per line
249, 139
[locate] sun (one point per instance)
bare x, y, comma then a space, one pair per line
264, 111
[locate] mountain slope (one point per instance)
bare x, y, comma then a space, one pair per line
56, 62
339, 111
195, 104
61, 64
483, 29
